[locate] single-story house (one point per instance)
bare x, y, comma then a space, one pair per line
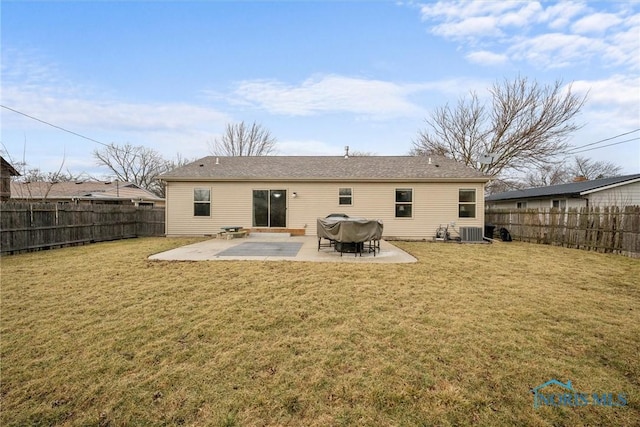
85, 192
412, 195
617, 191
6, 172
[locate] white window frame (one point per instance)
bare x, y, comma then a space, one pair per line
341, 196
201, 202
396, 202
474, 203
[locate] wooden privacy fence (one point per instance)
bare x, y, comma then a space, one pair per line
34, 226
607, 229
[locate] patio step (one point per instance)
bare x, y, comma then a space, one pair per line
291, 231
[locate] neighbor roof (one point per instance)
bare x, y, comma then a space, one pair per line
325, 168
570, 189
79, 190
8, 168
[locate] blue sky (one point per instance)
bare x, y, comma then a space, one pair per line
318, 75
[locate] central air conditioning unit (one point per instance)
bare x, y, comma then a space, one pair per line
471, 234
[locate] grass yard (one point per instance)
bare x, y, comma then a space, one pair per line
98, 335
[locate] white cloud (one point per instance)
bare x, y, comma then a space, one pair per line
477, 20
522, 17
544, 35
108, 114
555, 50
484, 57
330, 94
595, 23
624, 46
465, 9
39, 89
559, 15
613, 91
476, 26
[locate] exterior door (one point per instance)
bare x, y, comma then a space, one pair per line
269, 208
278, 208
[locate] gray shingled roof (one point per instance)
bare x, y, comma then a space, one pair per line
320, 168
80, 189
570, 189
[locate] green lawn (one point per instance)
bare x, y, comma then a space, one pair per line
98, 335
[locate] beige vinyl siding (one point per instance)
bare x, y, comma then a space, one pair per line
433, 204
624, 195
538, 204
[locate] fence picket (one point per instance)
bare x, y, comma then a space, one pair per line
610, 229
34, 226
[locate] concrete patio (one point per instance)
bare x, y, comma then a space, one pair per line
275, 247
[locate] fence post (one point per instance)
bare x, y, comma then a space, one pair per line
603, 229
29, 226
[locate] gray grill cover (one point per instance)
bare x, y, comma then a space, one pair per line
349, 229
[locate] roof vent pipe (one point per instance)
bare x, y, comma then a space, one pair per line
217, 161
429, 160
346, 151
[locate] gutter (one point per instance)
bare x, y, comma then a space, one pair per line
344, 179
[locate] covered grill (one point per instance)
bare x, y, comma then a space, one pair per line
350, 234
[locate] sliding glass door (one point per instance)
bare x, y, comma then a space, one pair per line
269, 208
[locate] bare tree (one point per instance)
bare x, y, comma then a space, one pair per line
526, 125
580, 168
242, 140
549, 174
137, 164
357, 153
34, 174
37, 175
588, 169
158, 187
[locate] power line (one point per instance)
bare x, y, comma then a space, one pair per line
55, 126
603, 146
606, 139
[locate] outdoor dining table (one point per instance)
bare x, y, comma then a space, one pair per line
350, 234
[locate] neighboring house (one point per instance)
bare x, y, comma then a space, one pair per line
85, 192
412, 195
6, 172
618, 191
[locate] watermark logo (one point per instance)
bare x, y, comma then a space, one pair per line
571, 398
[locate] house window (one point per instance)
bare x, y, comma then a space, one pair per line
404, 202
521, 205
345, 196
559, 204
201, 202
466, 203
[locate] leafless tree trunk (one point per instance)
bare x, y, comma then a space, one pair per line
242, 140
525, 126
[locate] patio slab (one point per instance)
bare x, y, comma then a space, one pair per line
278, 248
285, 249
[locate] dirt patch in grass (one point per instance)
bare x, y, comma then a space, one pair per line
99, 335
